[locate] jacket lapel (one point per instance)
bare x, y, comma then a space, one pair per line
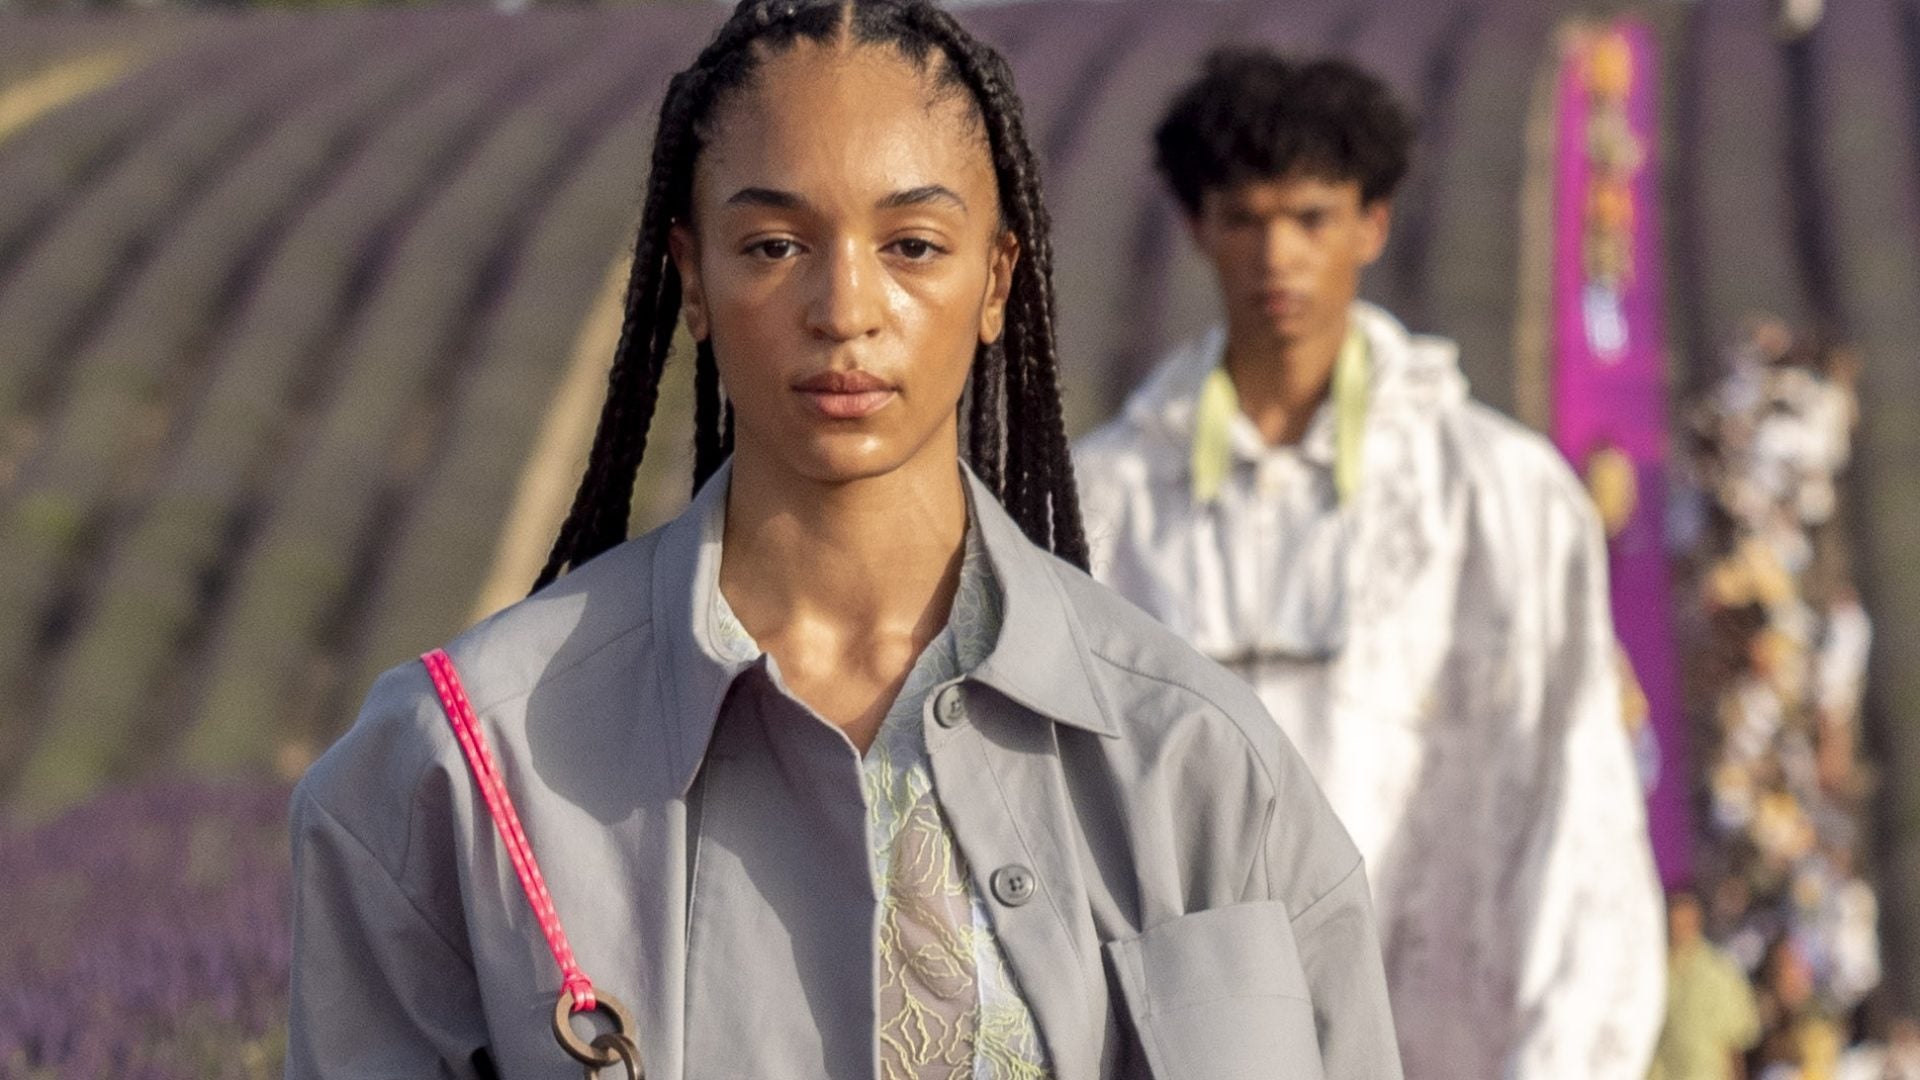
1003, 796
997, 770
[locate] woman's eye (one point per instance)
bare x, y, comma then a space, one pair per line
916, 249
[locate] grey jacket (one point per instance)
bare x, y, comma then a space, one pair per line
1173, 894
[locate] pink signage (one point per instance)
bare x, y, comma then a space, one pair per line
1609, 380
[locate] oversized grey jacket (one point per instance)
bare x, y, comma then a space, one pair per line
1187, 907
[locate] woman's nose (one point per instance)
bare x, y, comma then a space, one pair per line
847, 301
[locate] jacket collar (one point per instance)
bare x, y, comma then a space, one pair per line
1039, 661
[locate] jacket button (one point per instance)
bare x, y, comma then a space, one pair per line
1012, 885
949, 707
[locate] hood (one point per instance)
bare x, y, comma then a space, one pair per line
1409, 373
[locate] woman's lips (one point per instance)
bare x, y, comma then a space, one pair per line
849, 406
846, 395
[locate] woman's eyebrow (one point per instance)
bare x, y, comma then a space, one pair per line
769, 197
922, 195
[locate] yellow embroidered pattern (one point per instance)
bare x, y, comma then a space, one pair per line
948, 1005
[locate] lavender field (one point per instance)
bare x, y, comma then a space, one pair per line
280, 311
146, 937
286, 302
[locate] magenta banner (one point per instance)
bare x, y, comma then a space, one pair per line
1609, 380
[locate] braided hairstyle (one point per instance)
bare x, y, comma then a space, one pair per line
1015, 432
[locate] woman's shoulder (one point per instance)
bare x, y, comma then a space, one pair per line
401, 739
1160, 687
1194, 740
361, 793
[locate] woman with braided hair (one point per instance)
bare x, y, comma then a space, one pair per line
849, 771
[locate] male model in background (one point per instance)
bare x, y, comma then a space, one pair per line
1415, 585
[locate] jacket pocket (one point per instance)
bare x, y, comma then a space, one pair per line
1219, 995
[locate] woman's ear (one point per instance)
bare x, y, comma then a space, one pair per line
993, 314
684, 248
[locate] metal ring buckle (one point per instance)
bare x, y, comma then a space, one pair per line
606, 1048
622, 1049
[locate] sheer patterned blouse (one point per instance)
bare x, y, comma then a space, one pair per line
948, 1007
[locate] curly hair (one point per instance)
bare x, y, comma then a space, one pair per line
1256, 115
1016, 431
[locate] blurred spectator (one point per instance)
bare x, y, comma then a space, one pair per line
1797, 18
1801, 1041
1897, 1059
1712, 1020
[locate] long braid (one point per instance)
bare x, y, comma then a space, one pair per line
633, 386
1047, 421
1016, 432
709, 440
984, 439
1041, 493
1019, 437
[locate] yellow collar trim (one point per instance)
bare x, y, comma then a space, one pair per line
1219, 405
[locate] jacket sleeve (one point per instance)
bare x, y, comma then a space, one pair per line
1592, 971
383, 983
1314, 867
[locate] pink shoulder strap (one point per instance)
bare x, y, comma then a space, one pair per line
576, 990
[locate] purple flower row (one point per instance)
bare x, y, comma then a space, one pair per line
147, 936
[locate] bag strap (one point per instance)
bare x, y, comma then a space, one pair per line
576, 990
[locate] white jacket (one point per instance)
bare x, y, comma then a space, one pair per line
1452, 688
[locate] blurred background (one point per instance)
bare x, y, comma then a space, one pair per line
304, 323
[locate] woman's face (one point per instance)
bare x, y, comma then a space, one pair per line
845, 257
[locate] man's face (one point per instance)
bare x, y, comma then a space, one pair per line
1288, 254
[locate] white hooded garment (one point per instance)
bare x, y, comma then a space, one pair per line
1439, 648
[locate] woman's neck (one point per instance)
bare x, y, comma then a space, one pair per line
844, 583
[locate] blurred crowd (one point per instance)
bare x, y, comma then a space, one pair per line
1776, 947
